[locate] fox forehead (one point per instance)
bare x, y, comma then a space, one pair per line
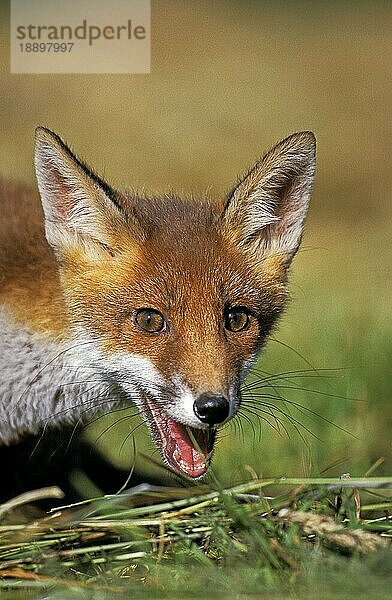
182, 263
171, 214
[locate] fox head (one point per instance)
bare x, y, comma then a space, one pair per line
176, 298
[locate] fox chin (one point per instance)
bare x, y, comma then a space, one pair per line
110, 299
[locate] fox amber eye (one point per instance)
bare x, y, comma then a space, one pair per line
150, 320
237, 319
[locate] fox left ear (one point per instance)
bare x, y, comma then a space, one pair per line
266, 211
81, 210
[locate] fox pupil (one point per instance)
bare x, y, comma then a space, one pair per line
237, 320
150, 320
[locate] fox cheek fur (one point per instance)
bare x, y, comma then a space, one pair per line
170, 301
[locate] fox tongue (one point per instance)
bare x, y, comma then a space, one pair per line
186, 449
181, 452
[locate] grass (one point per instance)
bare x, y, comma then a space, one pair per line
230, 540
229, 79
271, 535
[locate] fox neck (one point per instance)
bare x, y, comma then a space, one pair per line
51, 385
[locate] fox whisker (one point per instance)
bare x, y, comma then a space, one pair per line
292, 420
130, 434
263, 415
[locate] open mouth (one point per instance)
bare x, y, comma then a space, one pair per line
185, 449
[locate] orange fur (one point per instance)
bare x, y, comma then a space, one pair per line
29, 281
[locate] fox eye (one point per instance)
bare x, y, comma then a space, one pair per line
150, 320
237, 319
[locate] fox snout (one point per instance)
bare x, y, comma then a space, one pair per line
206, 406
182, 421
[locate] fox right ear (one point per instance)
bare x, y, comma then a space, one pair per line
81, 210
265, 212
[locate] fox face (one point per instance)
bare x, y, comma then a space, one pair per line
172, 300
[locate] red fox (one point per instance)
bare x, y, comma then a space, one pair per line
115, 299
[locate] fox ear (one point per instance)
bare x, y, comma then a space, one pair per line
81, 210
266, 211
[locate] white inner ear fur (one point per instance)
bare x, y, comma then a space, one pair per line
268, 208
77, 211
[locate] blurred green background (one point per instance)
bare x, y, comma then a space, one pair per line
228, 80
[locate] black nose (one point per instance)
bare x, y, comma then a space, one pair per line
211, 409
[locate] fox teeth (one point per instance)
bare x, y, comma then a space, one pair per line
177, 455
